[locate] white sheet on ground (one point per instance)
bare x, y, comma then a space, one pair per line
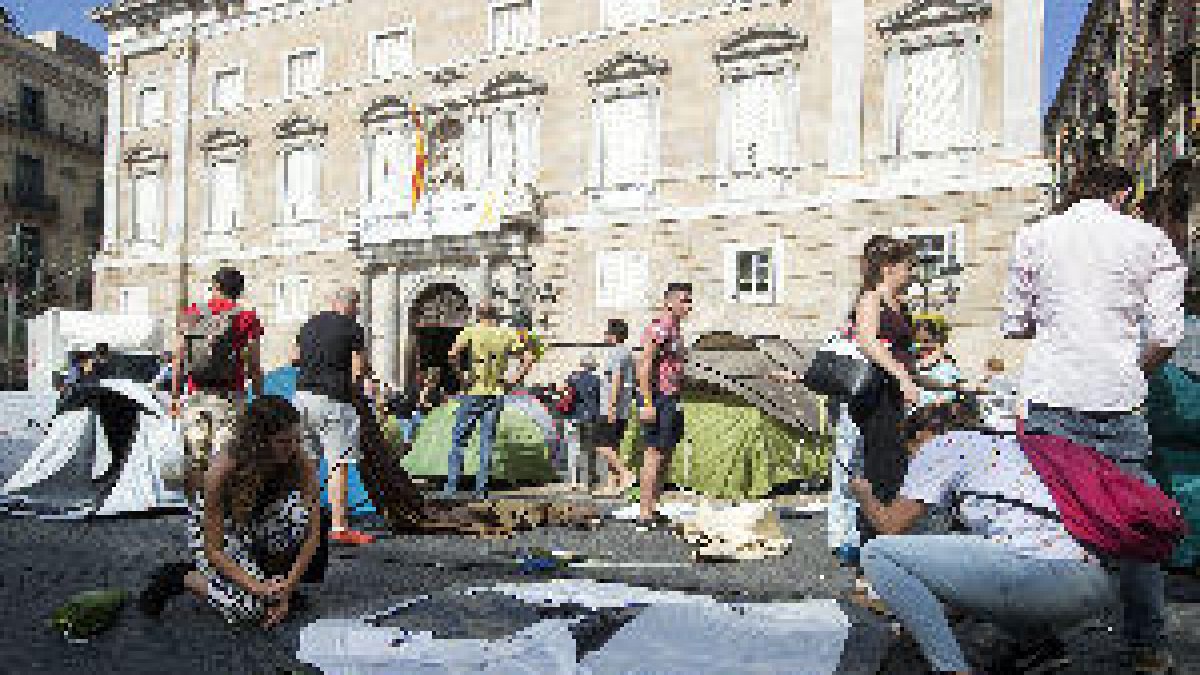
70, 434
676, 633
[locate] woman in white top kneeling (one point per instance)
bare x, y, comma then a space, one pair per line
1016, 567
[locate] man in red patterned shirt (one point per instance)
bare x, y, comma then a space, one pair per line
660, 378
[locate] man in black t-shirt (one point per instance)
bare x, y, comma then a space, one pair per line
332, 368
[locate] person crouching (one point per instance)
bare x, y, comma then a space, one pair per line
254, 528
1016, 567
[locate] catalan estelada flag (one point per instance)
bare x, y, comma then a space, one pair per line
418, 176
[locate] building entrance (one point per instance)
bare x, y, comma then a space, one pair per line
438, 315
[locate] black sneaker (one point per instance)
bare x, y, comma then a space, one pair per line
165, 583
658, 523
1039, 658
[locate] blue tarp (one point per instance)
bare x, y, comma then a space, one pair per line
282, 382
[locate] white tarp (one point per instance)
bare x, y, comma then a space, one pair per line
157, 444
675, 633
69, 435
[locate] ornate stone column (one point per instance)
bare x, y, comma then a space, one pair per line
181, 124
384, 323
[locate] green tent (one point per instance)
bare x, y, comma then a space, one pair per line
521, 451
732, 450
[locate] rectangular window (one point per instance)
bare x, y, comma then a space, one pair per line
300, 183
303, 71
627, 140
939, 260
933, 101
33, 108
391, 53
133, 300
147, 206
30, 180
291, 298
758, 138
622, 12
514, 23
225, 196
151, 105
622, 279
752, 273
392, 157
227, 89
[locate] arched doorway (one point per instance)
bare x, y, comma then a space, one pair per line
437, 316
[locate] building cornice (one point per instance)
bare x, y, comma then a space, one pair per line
920, 14
409, 80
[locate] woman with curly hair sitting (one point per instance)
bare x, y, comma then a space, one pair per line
255, 525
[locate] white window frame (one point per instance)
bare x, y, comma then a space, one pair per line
225, 157
146, 170
616, 11
956, 249
524, 151
141, 119
375, 38
731, 255
637, 193
239, 73
969, 61
131, 298
632, 268
534, 29
290, 87
293, 298
287, 214
371, 193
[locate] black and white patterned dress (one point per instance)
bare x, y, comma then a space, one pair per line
279, 528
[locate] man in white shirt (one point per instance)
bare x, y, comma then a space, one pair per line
1100, 295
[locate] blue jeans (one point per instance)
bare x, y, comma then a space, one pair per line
916, 575
472, 409
408, 427
1125, 439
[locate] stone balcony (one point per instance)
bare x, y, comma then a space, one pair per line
447, 213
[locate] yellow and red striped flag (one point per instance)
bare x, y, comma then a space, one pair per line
418, 177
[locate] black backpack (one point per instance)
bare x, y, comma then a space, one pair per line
209, 354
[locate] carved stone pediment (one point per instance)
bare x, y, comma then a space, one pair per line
387, 109
924, 13
219, 140
760, 41
628, 66
300, 127
144, 154
511, 85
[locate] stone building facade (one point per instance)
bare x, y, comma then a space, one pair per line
51, 162
580, 156
1129, 96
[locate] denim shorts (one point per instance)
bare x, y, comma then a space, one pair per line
665, 432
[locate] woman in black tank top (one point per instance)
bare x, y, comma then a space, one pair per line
884, 332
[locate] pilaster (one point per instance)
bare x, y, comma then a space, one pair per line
113, 150
847, 62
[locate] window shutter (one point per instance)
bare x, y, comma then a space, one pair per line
731, 273
636, 280
312, 182
934, 100
526, 149
608, 273
778, 272
742, 123
502, 151
476, 152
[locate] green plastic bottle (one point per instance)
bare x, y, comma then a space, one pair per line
89, 613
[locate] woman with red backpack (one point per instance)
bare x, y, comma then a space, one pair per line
1031, 559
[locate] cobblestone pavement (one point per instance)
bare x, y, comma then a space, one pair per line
43, 563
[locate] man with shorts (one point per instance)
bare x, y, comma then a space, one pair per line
616, 399
660, 377
333, 367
